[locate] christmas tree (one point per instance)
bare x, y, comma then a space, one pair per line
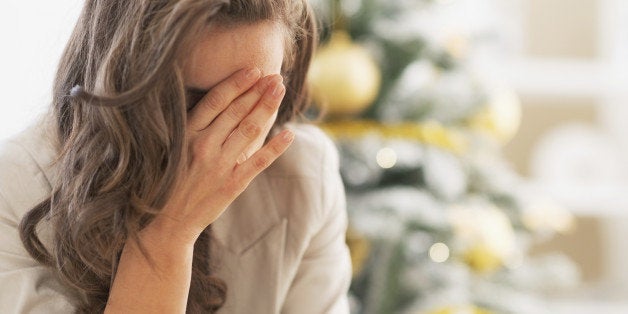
439, 222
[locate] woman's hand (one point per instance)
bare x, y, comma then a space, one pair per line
233, 116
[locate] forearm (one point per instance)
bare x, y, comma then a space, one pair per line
160, 285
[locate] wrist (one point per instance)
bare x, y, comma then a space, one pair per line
165, 234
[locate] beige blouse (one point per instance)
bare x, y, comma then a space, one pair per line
280, 246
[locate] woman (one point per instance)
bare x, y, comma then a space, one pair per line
149, 187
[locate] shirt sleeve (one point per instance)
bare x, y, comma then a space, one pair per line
323, 277
25, 285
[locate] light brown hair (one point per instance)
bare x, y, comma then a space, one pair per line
119, 105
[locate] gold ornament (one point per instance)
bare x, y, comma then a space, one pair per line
430, 133
359, 247
457, 45
500, 118
482, 259
484, 235
545, 215
460, 310
343, 77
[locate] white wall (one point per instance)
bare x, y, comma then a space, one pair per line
604, 78
33, 35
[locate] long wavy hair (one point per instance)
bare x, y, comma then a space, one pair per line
119, 110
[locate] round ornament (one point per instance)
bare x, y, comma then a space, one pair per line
344, 78
500, 118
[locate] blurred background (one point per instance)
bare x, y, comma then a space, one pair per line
482, 145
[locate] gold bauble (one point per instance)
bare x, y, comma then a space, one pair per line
343, 77
359, 248
545, 215
461, 310
482, 259
500, 118
484, 234
457, 45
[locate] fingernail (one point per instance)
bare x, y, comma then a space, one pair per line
271, 81
288, 136
241, 159
279, 89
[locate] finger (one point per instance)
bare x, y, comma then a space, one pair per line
263, 158
260, 141
231, 117
251, 127
220, 96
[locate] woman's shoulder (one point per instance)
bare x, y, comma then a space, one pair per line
311, 155
25, 170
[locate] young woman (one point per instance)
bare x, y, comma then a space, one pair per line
149, 187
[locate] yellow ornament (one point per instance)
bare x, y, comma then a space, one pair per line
430, 133
482, 259
500, 118
545, 215
436, 134
484, 235
457, 45
343, 77
461, 310
359, 248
